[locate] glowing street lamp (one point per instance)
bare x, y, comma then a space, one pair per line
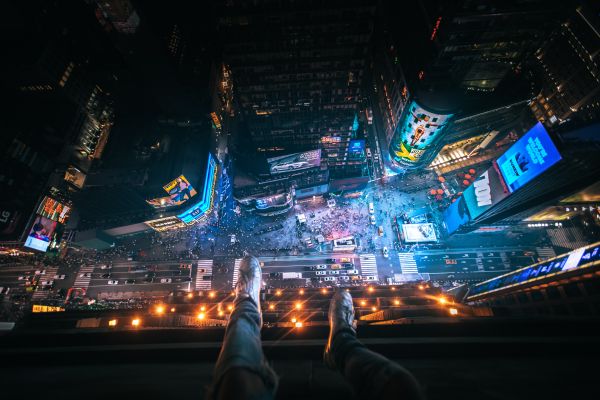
135, 322
112, 322
201, 316
160, 309
298, 306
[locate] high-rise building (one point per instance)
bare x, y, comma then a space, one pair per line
537, 171
298, 73
568, 70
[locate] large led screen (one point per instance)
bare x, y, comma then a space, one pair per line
417, 132
486, 191
531, 155
198, 210
294, 162
456, 215
54, 210
40, 235
419, 233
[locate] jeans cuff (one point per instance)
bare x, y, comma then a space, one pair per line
263, 371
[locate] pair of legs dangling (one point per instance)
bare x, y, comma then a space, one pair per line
242, 372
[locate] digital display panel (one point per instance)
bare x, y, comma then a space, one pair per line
54, 210
576, 259
417, 132
41, 232
419, 233
356, 149
294, 162
456, 215
531, 155
164, 224
197, 211
179, 191
487, 190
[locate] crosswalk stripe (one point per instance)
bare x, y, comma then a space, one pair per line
236, 271
43, 294
368, 265
408, 265
204, 269
83, 282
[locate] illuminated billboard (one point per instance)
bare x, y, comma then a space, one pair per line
416, 133
54, 210
531, 155
356, 149
41, 232
487, 190
179, 191
165, 224
456, 215
294, 162
198, 210
419, 233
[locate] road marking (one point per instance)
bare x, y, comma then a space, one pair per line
236, 271
43, 294
368, 265
408, 265
83, 282
206, 266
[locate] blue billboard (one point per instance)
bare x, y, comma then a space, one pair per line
456, 215
485, 192
531, 155
356, 148
197, 211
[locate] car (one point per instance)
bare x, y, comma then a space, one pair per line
105, 267
152, 274
344, 278
321, 266
355, 277
345, 260
21, 278
372, 219
386, 253
47, 283
370, 278
368, 152
347, 266
329, 278
106, 276
166, 280
289, 167
336, 266
331, 203
330, 260
352, 272
233, 239
86, 275
380, 230
321, 272
310, 268
336, 272
371, 208
129, 281
111, 282
60, 277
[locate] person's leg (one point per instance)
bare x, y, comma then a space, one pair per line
372, 375
241, 371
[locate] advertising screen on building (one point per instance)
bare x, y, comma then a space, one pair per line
419, 233
294, 162
531, 155
165, 224
41, 232
54, 210
417, 132
356, 149
456, 215
198, 210
487, 190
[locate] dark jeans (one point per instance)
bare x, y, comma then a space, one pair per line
242, 372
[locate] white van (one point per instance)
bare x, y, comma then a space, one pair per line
371, 208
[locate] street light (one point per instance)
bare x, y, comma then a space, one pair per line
442, 300
278, 293
298, 324
298, 306
172, 309
271, 306
135, 322
211, 295
324, 291
301, 291
201, 316
363, 303
453, 311
371, 290
294, 320
397, 302
160, 309
112, 322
